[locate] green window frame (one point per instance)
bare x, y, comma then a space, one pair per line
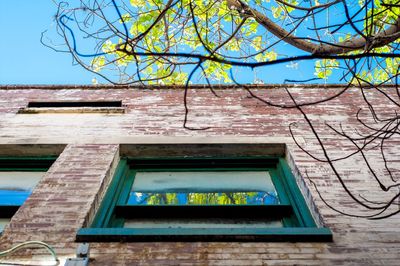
11, 201
297, 222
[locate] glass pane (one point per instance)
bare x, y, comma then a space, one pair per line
201, 223
3, 223
203, 188
15, 187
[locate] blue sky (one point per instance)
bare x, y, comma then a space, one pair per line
25, 60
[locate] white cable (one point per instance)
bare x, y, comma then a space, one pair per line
29, 243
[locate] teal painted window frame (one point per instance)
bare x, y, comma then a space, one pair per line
22, 164
299, 226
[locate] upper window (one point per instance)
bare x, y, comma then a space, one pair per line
61, 104
73, 107
18, 178
211, 199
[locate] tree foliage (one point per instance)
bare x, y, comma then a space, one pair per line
163, 42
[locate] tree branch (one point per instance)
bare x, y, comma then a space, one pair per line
381, 39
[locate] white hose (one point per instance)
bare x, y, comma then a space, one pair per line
29, 243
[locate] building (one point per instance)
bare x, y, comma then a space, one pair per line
92, 138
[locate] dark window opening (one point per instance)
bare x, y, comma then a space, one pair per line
63, 104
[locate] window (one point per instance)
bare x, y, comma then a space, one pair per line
18, 178
203, 199
73, 107
75, 104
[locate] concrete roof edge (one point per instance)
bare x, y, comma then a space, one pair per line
197, 86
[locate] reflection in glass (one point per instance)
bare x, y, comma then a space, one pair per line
15, 187
194, 198
3, 223
203, 188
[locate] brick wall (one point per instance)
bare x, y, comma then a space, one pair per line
68, 195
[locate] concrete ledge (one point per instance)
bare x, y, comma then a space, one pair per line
31, 149
203, 149
150, 139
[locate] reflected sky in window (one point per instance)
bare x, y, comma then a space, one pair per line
203, 188
15, 186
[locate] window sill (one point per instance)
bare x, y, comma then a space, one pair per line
103, 110
288, 234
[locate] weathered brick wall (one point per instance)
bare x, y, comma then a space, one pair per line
66, 197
